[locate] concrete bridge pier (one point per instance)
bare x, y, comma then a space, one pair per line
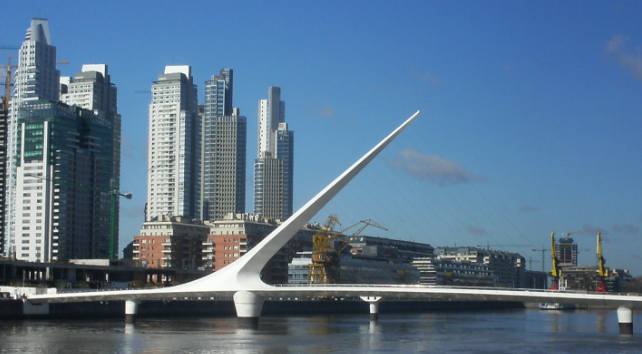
33, 309
625, 320
373, 301
131, 310
248, 307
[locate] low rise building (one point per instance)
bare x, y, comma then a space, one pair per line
365, 259
586, 278
170, 242
398, 250
427, 270
93, 274
464, 273
299, 268
507, 267
231, 237
375, 270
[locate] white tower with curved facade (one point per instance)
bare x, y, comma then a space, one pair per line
36, 78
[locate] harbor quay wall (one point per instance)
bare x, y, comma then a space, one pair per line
16, 309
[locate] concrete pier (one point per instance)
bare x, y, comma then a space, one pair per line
30, 309
373, 302
625, 320
248, 307
131, 310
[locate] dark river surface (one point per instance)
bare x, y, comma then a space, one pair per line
515, 331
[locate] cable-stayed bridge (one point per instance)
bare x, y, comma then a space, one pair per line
241, 279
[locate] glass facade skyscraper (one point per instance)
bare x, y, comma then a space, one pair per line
64, 183
93, 90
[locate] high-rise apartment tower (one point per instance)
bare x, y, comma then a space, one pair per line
64, 177
274, 166
93, 90
174, 151
36, 78
224, 152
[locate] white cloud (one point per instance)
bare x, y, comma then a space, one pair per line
628, 58
625, 229
529, 208
429, 77
432, 168
592, 230
476, 230
327, 112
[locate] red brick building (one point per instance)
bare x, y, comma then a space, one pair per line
171, 242
233, 236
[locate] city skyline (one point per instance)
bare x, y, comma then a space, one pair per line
509, 165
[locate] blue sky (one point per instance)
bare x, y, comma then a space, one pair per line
532, 112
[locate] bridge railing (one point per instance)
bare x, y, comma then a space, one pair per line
422, 286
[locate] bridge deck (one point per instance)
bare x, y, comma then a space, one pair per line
400, 292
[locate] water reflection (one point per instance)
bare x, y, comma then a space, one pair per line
580, 331
553, 317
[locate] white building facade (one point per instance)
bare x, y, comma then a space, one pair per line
274, 165
36, 78
173, 177
63, 185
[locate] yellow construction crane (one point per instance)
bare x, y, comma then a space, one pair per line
555, 270
327, 247
325, 258
8, 68
364, 224
602, 272
7, 82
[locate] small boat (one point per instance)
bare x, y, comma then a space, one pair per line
556, 306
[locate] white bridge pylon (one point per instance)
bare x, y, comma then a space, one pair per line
244, 273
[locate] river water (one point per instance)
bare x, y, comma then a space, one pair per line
515, 331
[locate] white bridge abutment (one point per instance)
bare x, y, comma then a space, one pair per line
625, 320
248, 307
131, 310
373, 304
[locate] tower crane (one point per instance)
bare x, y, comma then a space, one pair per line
364, 224
8, 70
327, 247
555, 271
7, 81
602, 272
325, 258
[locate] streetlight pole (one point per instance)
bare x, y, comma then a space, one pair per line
115, 193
